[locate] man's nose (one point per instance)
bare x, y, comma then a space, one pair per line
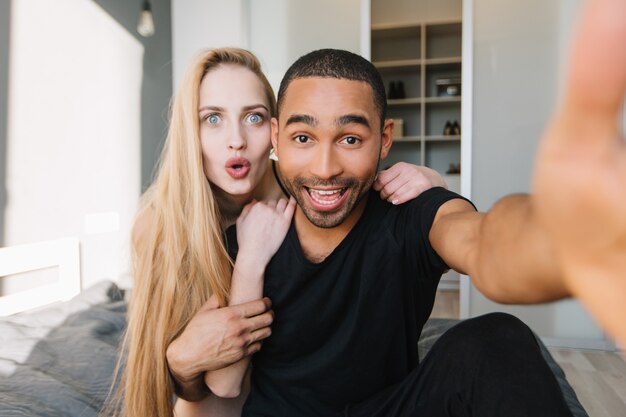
326, 164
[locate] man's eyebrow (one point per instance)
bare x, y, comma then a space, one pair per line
352, 118
302, 118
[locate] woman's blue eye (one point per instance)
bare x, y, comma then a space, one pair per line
213, 119
255, 118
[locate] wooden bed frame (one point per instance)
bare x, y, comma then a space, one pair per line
62, 253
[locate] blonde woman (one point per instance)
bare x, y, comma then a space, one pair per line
184, 307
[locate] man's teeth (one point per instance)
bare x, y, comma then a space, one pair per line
325, 196
326, 192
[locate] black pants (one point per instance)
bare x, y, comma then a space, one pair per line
486, 366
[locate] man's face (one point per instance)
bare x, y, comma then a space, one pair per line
328, 142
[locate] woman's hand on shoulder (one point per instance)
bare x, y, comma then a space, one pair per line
403, 182
261, 228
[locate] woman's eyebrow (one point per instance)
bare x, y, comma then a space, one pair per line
255, 106
245, 108
212, 108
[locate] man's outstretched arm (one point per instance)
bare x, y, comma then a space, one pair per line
579, 189
505, 251
569, 238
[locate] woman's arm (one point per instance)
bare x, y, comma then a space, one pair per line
213, 405
261, 229
216, 338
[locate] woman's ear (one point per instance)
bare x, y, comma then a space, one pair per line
386, 138
274, 135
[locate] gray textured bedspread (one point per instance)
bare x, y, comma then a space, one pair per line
59, 361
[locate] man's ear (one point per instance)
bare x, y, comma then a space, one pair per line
386, 138
274, 134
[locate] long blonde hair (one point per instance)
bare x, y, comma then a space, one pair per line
181, 260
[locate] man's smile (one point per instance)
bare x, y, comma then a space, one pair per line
326, 199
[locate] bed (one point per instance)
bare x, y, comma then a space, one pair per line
58, 360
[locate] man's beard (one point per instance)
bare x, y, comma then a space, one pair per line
298, 187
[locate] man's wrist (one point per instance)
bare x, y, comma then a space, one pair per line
190, 390
188, 384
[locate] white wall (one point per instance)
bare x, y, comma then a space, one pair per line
281, 31
277, 31
199, 24
73, 140
411, 11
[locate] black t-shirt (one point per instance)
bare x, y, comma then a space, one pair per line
347, 327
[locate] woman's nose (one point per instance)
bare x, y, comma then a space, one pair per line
237, 139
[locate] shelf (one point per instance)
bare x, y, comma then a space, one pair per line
408, 139
415, 63
442, 99
404, 101
398, 63
418, 54
428, 138
394, 30
441, 138
443, 61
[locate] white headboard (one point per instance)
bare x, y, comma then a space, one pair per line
61, 253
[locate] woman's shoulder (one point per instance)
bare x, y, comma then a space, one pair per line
144, 223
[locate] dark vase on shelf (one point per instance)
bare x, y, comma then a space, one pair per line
393, 91
456, 128
400, 90
447, 129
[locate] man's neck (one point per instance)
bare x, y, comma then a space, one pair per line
317, 242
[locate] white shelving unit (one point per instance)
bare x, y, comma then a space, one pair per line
417, 54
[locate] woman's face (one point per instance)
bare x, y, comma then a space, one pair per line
234, 129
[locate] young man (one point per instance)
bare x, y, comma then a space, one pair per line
355, 279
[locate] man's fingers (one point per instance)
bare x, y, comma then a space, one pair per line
260, 334
253, 308
260, 321
597, 78
253, 348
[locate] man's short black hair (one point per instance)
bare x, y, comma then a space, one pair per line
340, 64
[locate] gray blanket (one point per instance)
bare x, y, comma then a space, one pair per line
59, 361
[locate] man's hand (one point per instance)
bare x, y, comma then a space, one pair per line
403, 182
216, 338
579, 190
